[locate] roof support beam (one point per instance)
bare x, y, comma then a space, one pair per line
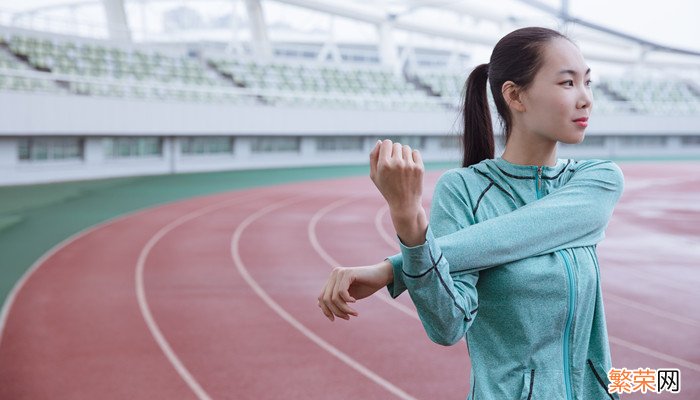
261, 40
117, 24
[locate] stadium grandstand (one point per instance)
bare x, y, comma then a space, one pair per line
93, 89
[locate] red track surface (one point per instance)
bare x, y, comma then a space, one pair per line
79, 330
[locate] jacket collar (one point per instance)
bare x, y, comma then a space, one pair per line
529, 171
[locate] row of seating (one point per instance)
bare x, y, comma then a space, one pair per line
315, 78
94, 68
86, 59
611, 95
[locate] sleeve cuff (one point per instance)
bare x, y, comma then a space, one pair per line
398, 286
419, 260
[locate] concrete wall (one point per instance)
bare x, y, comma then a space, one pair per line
32, 114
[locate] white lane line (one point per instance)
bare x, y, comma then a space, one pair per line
240, 266
143, 301
638, 184
313, 238
21, 282
653, 353
653, 310
12, 295
618, 268
390, 240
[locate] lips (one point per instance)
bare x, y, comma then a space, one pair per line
582, 122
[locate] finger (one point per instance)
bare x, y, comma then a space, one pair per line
406, 153
338, 302
342, 288
397, 151
321, 303
373, 158
385, 150
418, 159
338, 299
337, 311
326, 296
326, 311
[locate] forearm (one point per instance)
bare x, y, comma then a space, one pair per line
446, 305
575, 215
410, 225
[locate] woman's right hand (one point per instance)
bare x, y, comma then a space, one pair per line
347, 285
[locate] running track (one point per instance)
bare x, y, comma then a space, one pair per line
215, 298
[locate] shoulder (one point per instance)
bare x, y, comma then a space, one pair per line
604, 168
459, 180
604, 173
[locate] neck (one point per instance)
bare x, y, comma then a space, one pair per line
530, 149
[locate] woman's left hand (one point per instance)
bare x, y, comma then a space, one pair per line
397, 171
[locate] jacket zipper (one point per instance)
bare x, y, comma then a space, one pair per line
572, 300
567, 327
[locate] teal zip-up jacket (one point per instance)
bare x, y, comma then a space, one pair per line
510, 262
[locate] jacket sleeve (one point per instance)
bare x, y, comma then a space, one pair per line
446, 303
573, 215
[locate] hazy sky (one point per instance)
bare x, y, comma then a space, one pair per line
669, 22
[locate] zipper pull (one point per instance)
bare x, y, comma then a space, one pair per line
539, 177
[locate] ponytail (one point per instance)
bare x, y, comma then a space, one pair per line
478, 131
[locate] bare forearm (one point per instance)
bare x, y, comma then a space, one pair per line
410, 226
386, 269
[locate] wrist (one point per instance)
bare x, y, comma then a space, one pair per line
406, 213
410, 226
384, 270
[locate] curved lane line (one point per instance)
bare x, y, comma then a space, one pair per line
143, 302
656, 354
653, 310
380, 227
12, 295
313, 238
240, 266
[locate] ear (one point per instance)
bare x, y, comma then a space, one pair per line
513, 96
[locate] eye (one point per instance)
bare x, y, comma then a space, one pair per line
569, 82
589, 82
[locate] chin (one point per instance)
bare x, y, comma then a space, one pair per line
573, 139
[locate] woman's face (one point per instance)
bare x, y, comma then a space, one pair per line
559, 94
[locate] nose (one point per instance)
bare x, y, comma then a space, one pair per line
585, 99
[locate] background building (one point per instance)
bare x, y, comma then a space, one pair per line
92, 89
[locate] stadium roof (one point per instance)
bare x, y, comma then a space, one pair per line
616, 24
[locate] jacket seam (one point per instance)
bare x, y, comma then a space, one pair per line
496, 184
532, 383
434, 267
444, 285
598, 378
481, 196
422, 274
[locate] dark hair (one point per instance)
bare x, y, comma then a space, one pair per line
517, 57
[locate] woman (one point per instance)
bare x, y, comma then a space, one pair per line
509, 257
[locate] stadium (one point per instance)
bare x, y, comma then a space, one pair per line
178, 179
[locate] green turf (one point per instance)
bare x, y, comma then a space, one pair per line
35, 218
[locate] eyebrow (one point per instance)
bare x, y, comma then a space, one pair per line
572, 72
